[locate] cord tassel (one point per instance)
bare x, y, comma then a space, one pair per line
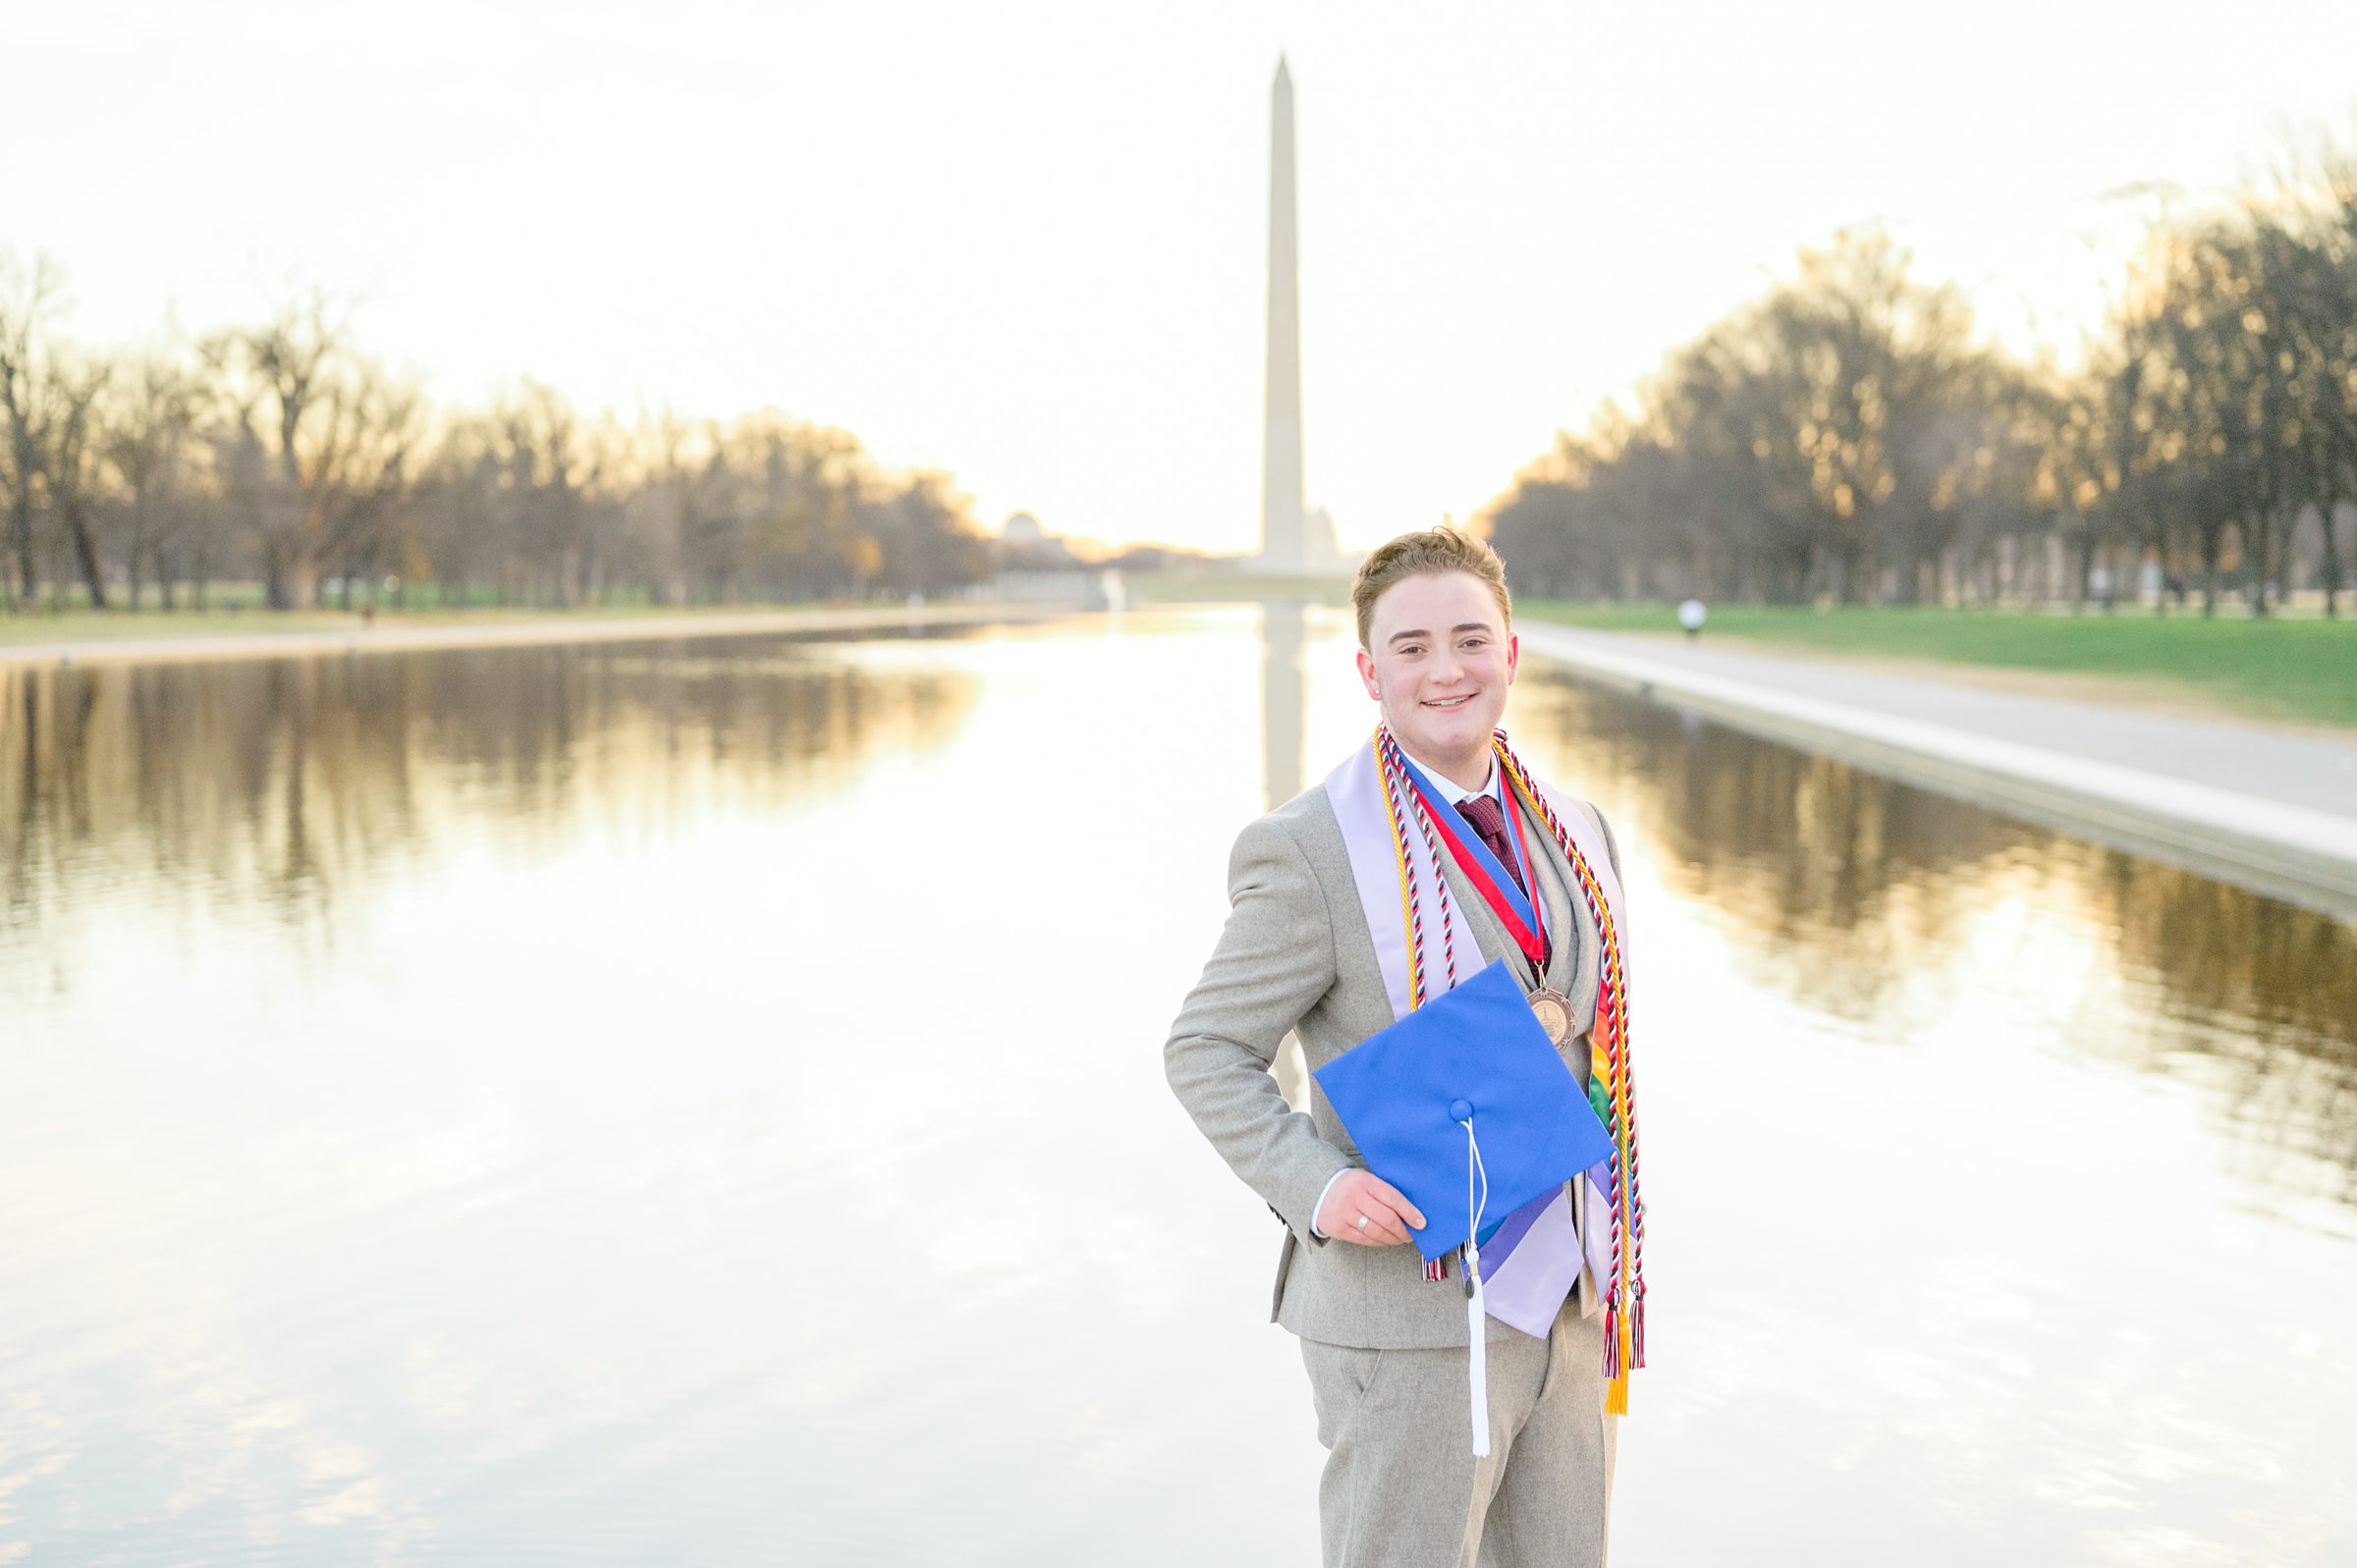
1617, 1332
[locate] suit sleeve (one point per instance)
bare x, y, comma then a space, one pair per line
1274, 959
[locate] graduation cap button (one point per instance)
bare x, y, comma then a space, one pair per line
1460, 1111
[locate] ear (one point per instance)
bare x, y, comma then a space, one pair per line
1514, 654
1366, 674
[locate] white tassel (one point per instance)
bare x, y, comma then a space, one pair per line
1477, 1312
1477, 1357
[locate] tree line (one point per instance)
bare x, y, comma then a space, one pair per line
283, 452
1849, 437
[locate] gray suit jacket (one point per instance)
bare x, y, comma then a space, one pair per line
1295, 956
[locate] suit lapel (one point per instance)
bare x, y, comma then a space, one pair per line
1571, 968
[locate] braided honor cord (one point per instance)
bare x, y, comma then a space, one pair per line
1394, 776
1624, 1294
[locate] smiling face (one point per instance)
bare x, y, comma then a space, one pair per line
1438, 658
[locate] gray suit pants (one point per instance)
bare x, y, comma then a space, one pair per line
1402, 1487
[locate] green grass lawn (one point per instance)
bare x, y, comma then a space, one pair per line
2304, 668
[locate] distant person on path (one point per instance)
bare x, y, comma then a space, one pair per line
1350, 904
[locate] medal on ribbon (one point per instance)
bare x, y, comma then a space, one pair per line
1552, 1009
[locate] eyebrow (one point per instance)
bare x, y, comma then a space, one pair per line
1462, 626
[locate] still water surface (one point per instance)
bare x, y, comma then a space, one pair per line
702, 1102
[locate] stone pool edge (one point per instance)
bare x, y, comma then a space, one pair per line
2287, 851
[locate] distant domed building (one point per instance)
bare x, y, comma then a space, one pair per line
1025, 544
1036, 567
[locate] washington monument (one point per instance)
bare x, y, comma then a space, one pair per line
1295, 540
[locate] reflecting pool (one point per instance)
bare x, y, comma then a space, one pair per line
702, 1102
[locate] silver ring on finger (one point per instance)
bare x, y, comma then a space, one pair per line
1362, 1221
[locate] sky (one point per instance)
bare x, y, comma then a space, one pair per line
1026, 242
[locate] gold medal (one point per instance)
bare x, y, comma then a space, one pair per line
1553, 1011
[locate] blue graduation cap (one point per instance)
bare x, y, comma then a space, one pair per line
1475, 1058
1464, 1106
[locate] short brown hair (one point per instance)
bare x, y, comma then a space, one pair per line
1411, 555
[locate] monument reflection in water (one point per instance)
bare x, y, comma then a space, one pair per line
701, 1101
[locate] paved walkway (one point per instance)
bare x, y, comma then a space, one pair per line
2264, 808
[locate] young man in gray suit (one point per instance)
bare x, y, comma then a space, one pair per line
1384, 1345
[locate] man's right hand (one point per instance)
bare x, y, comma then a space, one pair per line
1389, 1215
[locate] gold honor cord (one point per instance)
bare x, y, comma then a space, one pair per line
1411, 916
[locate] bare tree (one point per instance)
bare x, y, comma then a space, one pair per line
338, 434
70, 464
28, 302
2307, 253
149, 441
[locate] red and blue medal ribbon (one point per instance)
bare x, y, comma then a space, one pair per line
1524, 919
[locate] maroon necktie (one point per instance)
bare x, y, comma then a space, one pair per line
1488, 820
